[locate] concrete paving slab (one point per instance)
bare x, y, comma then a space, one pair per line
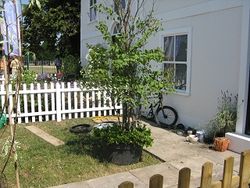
167, 171
113, 181
195, 164
45, 136
219, 157
177, 153
74, 185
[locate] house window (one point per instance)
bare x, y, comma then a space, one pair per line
176, 48
119, 4
92, 10
115, 32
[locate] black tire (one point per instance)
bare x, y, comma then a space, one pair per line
82, 128
167, 116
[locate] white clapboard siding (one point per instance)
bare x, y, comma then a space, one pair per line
57, 101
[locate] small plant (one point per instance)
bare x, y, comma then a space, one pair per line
28, 77
139, 135
225, 119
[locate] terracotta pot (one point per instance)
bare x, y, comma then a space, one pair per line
221, 143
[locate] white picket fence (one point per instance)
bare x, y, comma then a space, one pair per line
58, 101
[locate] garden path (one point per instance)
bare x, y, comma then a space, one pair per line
176, 154
45, 136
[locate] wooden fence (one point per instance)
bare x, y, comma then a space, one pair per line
242, 180
57, 101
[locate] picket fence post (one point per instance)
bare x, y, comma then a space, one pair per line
58, 102
156, 181
126, 184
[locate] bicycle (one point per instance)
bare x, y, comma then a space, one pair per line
162, 115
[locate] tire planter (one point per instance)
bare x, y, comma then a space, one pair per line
221, 143
121, 154
82, 128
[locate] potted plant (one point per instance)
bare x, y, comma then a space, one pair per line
121, 146
121, 66
224, 121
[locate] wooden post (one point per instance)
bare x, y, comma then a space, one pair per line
63, 101
52, 86
25, 103
206, 175
46, 101
32, 102
93, 98
126, 184
156, 181
39, 101
228, 172
87, 103
81, 104
244, 169
99, 102
69, 100
75, 100
58, 102
184, 178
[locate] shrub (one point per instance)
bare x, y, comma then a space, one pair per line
28, 77
71, 66
225, 119
140, 136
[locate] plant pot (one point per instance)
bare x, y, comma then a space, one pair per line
122, 154
221, 143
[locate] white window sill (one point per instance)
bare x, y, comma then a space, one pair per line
181, 93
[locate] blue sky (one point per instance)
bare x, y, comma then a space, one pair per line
25, 1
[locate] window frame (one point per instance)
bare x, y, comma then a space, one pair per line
92, 7
176, 32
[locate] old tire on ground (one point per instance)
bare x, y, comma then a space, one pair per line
82, 128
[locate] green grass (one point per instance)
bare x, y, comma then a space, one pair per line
45, 69
43, 165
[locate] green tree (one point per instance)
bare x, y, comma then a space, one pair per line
52, 26
123, 66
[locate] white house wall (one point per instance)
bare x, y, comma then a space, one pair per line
215, 57
215, 51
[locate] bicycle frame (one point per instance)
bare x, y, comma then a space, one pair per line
152, 106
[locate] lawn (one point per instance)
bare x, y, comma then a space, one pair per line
43, 165
43, 69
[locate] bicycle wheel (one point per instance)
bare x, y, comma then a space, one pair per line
167, 116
